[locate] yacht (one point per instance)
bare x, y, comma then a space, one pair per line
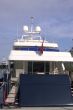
38, 70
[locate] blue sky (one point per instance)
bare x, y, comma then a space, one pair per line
54, 16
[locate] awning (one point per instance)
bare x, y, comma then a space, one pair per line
35, 56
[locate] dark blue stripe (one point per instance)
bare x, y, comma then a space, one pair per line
35, 48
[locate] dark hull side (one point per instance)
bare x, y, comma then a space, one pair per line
44, 90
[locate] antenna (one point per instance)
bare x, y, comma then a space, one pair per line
17, 31
32, 18
32, 31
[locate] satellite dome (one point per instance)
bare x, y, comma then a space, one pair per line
38, 29
25, 28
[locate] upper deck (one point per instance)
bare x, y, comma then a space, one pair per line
24, 42
32, 40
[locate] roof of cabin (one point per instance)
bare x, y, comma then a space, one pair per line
45, 56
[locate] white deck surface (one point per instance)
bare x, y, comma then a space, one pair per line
11, 96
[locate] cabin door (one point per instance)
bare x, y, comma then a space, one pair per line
38, 67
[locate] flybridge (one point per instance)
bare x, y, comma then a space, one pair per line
32, 37
35, 43
32, 41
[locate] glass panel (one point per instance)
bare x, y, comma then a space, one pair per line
29, 67
38, 67
47, 67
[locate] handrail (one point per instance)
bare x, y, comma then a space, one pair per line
2, 85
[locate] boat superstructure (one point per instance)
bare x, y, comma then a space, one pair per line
34, 55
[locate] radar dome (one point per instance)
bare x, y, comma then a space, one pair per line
25, 28
38, 29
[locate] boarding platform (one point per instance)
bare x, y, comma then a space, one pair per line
44, 90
